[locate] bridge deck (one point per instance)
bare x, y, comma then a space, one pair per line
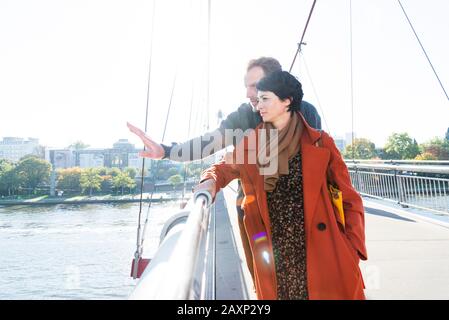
408, 254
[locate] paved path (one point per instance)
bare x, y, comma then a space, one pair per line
408, 256
233, 281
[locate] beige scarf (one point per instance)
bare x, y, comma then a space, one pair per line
288, 146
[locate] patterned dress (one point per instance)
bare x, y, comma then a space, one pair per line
286, 209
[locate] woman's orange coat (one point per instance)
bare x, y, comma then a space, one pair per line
333, 252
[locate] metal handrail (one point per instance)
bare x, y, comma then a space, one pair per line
419, 162
184, 265
404, 184
400, 167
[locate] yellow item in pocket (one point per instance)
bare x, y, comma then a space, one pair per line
334, 193
337, 201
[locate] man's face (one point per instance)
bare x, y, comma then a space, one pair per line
251, 78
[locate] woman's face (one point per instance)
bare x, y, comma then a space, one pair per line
271, 108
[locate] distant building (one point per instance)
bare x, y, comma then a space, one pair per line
348, 138
91, 158
13, 148
61, 158
340, 143
124, 145
123, 154
135, 161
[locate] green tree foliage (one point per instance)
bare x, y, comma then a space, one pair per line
69, 179
173, 171
113, 172
33, 171
193, 169
161, 174
27, 156
175, 180
363, 149
132, 172
10, 180
102, 171
106, 183
79, 145
123, 180
401, 146
90, 180
437, 147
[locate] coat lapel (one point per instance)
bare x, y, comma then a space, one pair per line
314, 166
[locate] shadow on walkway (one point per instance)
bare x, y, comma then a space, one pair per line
386, 214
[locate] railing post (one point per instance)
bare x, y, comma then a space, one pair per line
400, 189
357, 178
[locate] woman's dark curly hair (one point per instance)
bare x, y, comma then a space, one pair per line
284, 86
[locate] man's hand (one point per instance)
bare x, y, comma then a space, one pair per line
207, 185
153, 149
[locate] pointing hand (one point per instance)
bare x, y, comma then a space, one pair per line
153, 149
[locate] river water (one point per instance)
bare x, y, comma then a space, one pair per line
73, 251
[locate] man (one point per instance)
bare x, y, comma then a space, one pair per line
244, 118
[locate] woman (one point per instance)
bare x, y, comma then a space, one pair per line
299, 249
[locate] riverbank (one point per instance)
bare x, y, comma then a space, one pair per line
47, 200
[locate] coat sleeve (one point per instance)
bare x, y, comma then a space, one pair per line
222, 173
352, 202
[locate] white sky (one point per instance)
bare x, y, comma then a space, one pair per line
77, 70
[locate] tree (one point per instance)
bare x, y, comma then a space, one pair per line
173, 171
401, 146
29, 155
132, 172
102, 171
123, 180
175, 180
90, 179
425, 156
106, 183
161, 174
438, 148
34, 171
69, 179
10, 180
79, 145
363, 149
113, 172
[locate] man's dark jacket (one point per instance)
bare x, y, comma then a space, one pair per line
244, 118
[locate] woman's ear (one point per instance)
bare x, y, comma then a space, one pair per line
288, 101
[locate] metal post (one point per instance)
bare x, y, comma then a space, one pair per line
52, 182
400, 190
